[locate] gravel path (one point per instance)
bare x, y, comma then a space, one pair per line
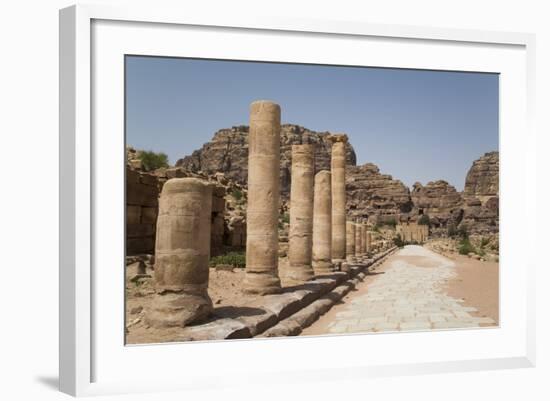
407, 296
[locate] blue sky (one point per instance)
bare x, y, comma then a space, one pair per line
415, 125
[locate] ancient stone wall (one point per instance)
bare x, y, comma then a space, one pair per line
413, 232
228, 228
142, 192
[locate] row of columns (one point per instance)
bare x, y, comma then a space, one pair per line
358, 239
319, 236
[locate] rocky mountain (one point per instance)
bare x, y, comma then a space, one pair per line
439, 200
227, 153
375, 196
371, 194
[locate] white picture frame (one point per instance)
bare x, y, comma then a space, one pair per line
92, 38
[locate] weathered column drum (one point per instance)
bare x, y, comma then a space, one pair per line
182, 253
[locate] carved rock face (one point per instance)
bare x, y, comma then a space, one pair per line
437, 199
227, 152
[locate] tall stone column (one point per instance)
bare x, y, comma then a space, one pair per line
301, 214
338, 167
322, 224
262, 276
182, 254
358, 238
363, 238
350, 239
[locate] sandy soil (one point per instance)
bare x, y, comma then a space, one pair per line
477, 283
224, 290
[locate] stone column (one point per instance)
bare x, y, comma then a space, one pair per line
322, 224
300, 238
182, 253
350, 239
262, 213
363, 239
369, 240
358, 238
338, 167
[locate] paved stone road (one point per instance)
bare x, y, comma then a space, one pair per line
408, 296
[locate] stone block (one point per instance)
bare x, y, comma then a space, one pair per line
148, 179
139, 230
142, 195
136, 246
281, 305
149, 215
175, 173
221, 329
282, 329
218, 204
133, 214
258, 323
132, 176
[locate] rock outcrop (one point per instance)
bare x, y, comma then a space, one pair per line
439, 200
481, 194
482, 178
375, 196
227, 153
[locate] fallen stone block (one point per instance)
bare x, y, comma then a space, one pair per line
283, 329
258, 323
221, 329
281, 305
306, 316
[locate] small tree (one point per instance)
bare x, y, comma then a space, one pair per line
152, 161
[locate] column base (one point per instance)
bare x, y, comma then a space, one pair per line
322, 267
178, 309
261, 283
298, 274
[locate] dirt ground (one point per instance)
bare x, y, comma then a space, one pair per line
477, 283
224, 290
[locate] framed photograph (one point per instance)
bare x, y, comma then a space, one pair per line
270, 198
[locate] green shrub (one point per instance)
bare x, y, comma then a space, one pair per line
391, 223
424, 220
465, 247
237, 194
285, 218
152, 161
484, 242
237, 259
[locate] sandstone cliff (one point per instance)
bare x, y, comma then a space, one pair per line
375, 196
481, 194
482, 178
227, 153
